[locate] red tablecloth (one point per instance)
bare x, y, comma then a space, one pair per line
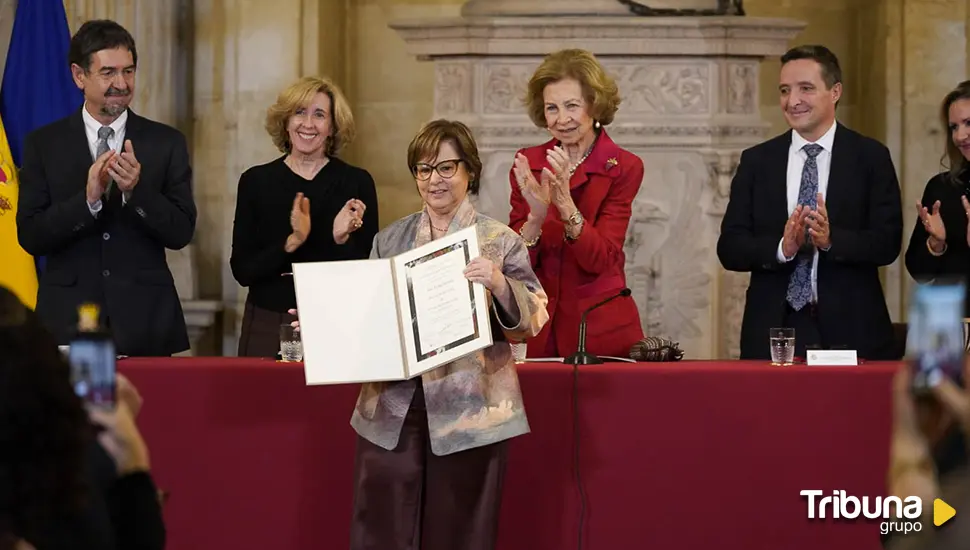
679, 456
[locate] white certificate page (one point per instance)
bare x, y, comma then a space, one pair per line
442, 301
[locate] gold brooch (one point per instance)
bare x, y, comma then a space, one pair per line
611, 162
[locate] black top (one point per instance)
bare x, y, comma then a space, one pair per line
263, 204
922, 265
119, 512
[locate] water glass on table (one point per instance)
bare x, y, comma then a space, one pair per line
291, 346
518, 351
782, 341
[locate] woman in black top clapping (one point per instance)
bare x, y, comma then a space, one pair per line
274, 227
940, 244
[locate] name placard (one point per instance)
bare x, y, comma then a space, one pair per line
832, 358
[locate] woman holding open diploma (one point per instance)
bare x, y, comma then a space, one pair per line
432, 450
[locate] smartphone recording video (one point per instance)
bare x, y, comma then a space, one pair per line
936, 339
93, 365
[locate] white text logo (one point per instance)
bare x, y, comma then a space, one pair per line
904, 513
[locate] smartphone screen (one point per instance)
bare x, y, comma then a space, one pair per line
936, 338
92, 363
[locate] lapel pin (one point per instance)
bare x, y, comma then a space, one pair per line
611, 162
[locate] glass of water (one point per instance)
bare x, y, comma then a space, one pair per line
291, 347
782, 346
518, 351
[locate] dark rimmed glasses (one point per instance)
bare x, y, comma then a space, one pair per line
445, 169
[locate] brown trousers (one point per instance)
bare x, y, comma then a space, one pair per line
260, 332
411, 499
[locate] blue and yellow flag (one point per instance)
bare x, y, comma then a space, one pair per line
17, 272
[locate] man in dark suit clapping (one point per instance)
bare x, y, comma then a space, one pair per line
813, 214
103, 193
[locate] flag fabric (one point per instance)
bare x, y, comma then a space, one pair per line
18, 273
37, 86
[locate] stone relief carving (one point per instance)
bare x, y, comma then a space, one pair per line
741, 88
452, 90
722, 165
663, 89
668, 253
505, 88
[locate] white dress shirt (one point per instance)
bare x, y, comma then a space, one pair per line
796, 162
91, 127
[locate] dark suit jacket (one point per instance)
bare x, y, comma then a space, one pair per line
866, 221
118, 259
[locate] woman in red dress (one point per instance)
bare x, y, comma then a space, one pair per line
571, 201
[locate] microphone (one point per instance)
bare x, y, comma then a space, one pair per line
581, 357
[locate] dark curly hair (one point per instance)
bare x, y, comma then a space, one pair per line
44, 429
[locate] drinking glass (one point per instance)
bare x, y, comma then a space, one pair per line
291, 347
518, 351
782, 346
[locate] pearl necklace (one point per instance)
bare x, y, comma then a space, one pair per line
573, 168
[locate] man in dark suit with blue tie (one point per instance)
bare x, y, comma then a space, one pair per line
813, 214
103, 214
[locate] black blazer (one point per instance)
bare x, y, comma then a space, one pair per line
923, 266
118, 259
866, 220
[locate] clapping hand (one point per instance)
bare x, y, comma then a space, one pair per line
299, 223
558, 179
349, 219
535, 193
794, 237
817, 221
125, 168
933, 224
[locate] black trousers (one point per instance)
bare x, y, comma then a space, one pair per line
411, 499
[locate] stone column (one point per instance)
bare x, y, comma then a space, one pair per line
690, 105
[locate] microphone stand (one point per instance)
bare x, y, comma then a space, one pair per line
582, 357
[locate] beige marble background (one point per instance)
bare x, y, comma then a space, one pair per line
211, 67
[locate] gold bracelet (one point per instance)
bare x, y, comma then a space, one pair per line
533, 242
933, 252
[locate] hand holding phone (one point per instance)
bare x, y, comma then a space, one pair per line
936, 341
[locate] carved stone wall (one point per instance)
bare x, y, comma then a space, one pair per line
690, 106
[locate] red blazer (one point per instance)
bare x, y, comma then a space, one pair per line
577, 274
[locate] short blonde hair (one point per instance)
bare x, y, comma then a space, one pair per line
299, 94
599, 88
429, 138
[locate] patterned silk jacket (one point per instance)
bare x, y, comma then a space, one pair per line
474, 400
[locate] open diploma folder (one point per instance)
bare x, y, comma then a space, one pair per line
394, 318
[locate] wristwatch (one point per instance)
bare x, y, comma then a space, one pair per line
574, 220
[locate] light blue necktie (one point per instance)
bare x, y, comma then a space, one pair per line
800, 283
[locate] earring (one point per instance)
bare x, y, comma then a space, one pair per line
596, 124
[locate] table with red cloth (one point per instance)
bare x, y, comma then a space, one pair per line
673, 456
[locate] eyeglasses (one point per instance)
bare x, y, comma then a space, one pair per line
445, 169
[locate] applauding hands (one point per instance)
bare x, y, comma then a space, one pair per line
299, 222
349, 219
553, 187
807, 225
933, 224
